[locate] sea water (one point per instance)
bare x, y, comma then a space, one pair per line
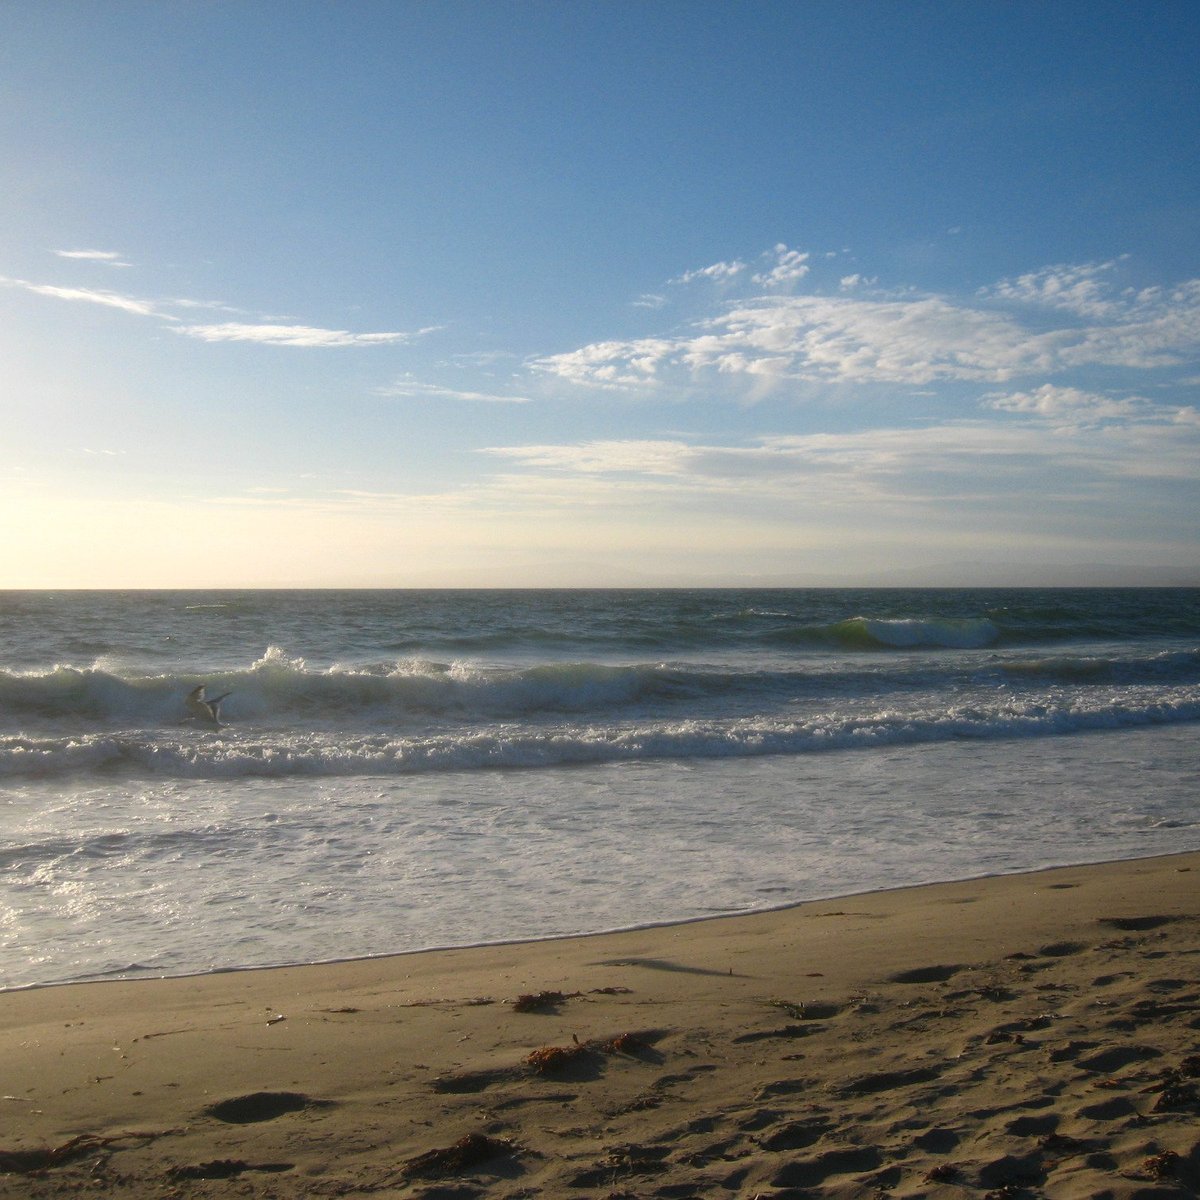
396, 770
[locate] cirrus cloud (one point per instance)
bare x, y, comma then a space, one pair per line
109, 257
130, 304
265, 333
293, 335
407, 388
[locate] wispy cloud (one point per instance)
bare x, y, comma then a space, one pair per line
265, 333
294, 335
649, 300
130, 304
212, 306
109, 257
415, 390
619, 457
971, 460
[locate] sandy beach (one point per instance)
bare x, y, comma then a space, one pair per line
1031, 1035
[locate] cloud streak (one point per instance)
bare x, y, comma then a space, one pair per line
261, 333
129, 304
413, 390
973, 460
108, 257
292, 335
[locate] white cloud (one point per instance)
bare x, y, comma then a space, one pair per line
819, 338
130, 304
406, 388
109, 257
292, 335
610, 364
100, 255
1080, 289
717, 271
1068, 404
211, 305
650, 300
790, 265
909, 339
264, 333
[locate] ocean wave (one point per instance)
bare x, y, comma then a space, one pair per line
958, 633
240, 753
279, 688
1166, 665
864, 633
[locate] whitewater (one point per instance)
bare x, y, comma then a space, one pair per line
402, 770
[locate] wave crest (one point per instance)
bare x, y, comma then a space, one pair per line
958, 633
247, 752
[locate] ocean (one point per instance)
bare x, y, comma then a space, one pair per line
399, 770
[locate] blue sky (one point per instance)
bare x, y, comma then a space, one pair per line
586, 293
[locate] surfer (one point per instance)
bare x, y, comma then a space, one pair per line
205, 711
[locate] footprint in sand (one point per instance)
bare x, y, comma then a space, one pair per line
1013, 1172
886, 1081
935, 974
262, 1106
1033, 1126
466, 1082
795, 1135
783, 1031
784, 1087
812, 1172
1119, 1056
1061, 949
1136, 924
1107, 1110
937, 1140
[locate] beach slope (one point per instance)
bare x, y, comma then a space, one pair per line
1032, 1035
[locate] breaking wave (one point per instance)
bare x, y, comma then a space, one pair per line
249, 752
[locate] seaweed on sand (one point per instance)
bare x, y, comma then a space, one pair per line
467, 1152
552, 1058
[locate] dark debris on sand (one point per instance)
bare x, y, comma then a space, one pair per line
26, 1162
467, 1152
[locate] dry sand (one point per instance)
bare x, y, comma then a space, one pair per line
1034, 1035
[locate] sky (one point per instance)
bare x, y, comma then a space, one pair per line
598, 293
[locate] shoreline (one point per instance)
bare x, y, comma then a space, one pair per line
1012, 1031
118, 977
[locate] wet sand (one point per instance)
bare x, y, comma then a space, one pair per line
1033, 1035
